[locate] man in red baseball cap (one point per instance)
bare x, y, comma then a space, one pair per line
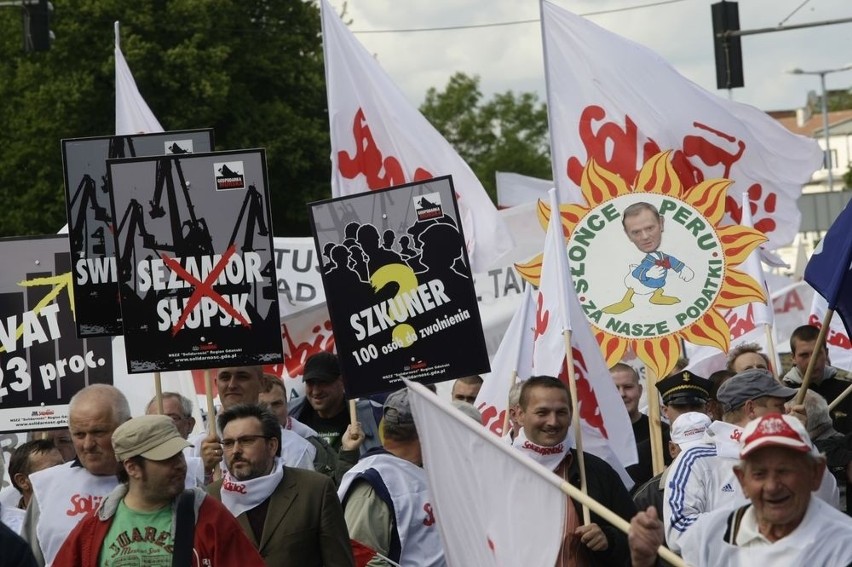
783, 524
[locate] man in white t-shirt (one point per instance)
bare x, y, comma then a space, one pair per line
782, 525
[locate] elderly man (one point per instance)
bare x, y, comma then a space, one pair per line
63, 495
702, 478
177, 407
242, 385
545, 417
824, 380
386, 500
149, 519
292, 516
782, 525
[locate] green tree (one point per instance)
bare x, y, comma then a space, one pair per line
507, 133
250, 69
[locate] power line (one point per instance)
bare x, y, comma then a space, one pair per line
517, 22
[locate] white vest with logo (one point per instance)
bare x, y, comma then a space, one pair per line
405, 482
65, 494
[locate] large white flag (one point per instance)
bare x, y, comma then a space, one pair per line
491, 506
379, 140
512, 360
618, 102
132, 115
605, 425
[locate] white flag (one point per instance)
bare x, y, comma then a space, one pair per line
512, 359
620, 103
132, 115
491, 506
761, 312
379, 140
606, 428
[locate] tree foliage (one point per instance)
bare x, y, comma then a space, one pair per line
507, 133
250, 69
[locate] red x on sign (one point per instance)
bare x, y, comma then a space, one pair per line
204, 289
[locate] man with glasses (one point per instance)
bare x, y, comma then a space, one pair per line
291, 515
177, 407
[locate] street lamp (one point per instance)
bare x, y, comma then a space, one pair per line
824, 97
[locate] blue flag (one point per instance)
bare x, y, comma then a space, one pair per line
829, 270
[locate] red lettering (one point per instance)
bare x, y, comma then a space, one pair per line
430, 516
615, 147
555, 450
788, 301
295, 355
735, 436
587, 401
232, 486
368, 161
83, 504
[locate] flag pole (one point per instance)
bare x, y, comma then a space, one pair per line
575, 421
770, 346
616, 520
843, 395
211, 415
656, 428
818, 346
158, 388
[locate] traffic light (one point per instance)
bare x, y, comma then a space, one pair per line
729, 53
37, 34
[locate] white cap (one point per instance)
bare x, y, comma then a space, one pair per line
688, 429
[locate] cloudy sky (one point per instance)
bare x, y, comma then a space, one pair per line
510, 56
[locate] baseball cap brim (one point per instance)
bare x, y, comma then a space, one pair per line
774, 441
167, 450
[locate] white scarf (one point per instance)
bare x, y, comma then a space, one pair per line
549, 457
240, 496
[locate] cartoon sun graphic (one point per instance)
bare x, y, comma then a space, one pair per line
652, 264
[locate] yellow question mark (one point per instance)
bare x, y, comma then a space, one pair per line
403, 275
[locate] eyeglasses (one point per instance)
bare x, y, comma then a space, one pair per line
244, 441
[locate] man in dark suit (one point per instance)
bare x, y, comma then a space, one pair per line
291, 515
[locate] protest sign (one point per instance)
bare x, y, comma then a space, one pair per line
42, 362
197, 276
397, 281
90, 221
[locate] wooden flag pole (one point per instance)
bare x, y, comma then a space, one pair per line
843, 395
770, 346
575, 421
654, 422
158, 388
616, 520
211, 415
818, 346
353, 412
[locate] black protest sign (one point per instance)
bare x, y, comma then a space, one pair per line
90, 221
197, 279
42, 362
398, 286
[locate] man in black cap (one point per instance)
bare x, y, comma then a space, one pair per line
326, 410
682, 393
702, 478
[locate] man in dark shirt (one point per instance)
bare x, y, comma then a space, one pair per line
324, 408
